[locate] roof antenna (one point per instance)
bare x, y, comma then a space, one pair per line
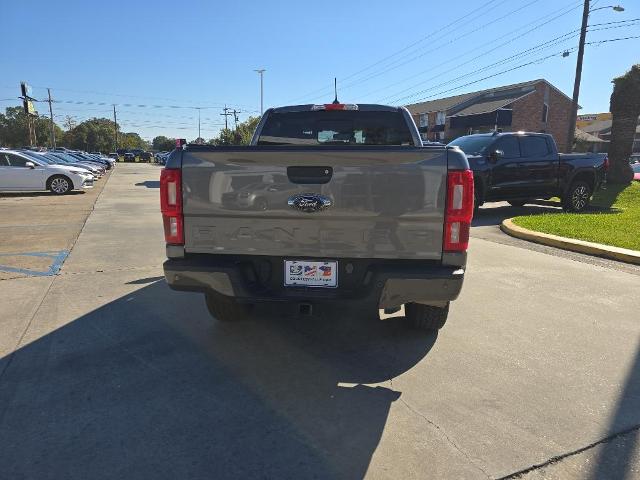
335, 89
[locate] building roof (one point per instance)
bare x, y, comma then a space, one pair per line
598, 126
441, 104
514, 92
587, 137
489, 105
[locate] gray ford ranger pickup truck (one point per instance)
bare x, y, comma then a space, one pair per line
329, 203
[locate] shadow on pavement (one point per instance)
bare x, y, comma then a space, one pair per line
39, 194
615, 458
149, 386
493, 214
149, 184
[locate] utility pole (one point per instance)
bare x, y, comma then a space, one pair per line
235, 118
225, 115
53, 132
586, 10
576, 84
261, 72
115, 128
236, 134
199, 137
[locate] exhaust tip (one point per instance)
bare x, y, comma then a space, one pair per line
305, 309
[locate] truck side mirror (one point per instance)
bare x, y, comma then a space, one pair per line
495, 155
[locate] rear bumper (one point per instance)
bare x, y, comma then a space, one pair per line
385, 283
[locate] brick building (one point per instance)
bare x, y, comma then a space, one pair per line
534, 106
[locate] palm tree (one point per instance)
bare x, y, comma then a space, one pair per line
625, 109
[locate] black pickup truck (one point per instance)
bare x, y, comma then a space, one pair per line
519, 167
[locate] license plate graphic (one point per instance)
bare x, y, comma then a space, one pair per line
310, 273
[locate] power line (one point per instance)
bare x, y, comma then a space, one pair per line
537, 61
458, 37
542, 46
438, 47
484, 7
511, 40
93, 92
529, 51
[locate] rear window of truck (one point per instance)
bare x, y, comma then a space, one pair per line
343, 127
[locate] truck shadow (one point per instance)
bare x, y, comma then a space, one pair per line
149, 184
494, 213
149, 386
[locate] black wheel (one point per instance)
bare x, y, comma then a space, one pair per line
261, 204
577, 197
517, 203
59, 185
426, 317
226, 309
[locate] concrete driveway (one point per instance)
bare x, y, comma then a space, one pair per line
106, 373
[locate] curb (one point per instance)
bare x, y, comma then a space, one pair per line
580, 246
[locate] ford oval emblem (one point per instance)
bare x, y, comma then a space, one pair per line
309, 202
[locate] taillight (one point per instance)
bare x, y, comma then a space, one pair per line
459, 210
171, 205
335, 106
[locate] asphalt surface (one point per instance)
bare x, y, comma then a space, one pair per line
106, 373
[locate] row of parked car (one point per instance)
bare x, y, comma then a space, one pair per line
59, 170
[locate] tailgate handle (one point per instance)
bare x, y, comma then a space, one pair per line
310, 174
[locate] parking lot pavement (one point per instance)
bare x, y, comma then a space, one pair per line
116, 376
38, 229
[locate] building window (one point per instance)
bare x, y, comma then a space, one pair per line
545, 112
440, 118
424, 119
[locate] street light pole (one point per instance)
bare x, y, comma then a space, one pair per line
576, 84
261, 72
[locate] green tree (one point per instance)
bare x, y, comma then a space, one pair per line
14, 131
96, 134
132, 140
241, 136
625, 110
162, 143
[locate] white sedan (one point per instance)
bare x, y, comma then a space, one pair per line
19, 172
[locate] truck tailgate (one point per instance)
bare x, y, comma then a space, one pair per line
386, 202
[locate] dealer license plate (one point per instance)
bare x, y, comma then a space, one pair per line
308, 273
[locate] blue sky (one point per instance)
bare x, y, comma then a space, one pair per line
142, 55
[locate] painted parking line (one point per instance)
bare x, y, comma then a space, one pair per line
57, 259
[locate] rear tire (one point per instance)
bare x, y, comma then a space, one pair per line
517, 203
226, 309
426, 317
59, 185
577, 197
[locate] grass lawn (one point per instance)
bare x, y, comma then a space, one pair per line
616, 222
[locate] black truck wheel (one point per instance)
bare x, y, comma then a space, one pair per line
577, 197
426, 317
226, 309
